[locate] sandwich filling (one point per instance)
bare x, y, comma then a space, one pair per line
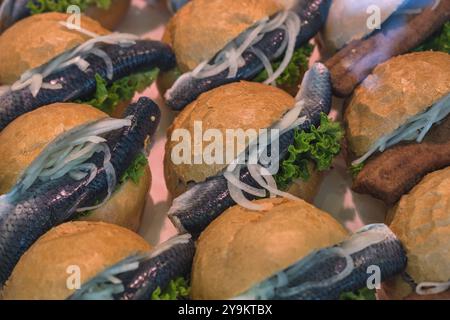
69, 153
41, 6
106, 97
289, 61
318, 146
416, 128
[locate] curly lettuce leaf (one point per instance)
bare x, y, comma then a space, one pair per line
356, 169
319, 146
177, 289
439, 42
41, 6
107, 98
136, 171
362, 294
293, 73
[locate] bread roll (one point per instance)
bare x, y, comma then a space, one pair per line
241, 247
42, 272
396, 91
421, 222
24, 139
35, 40
204, 27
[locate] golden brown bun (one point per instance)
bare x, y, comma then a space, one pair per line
35, 40
126, 206
242, 247
396, 90
22, 141
242, 105
421, 222
41, 272
111, 18
307, 190
204, 27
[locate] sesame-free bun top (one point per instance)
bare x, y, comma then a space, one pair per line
41, 273
242, 247
421, 221
200, 29
397, 90
24, 139
35, 40
241, 105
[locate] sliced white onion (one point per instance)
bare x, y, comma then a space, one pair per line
415, 128
349, 267
51, 86
238, 197
233, 179
109, 64
293, 25
436, 4
33, 78
426, 288
259, 173
231, 56
265, 61
69, 152
166, 245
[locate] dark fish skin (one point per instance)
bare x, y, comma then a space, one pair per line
153, 272
195, 209
12, 11
324, 264
144, 55
26, 217
312, 13
175, 5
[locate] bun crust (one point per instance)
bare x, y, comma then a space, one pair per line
204, 27
19, 148
37, 39
396, 91
242, 105
41, 273
421, 222
241, 247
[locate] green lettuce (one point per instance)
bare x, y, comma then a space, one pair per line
319, 146
41, 6
177, 289
107, 98
362, 294
293, 73
136, 171
356, 169
439, 42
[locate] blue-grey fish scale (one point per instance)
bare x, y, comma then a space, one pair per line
157, 272
175, 5
312, 13
26, 217
324, 264
12, 11
144, 55
194, 210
